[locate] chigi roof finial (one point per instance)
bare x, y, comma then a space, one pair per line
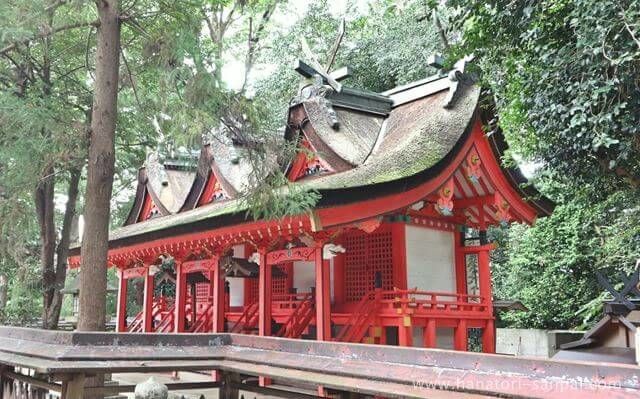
320, 82
457, 76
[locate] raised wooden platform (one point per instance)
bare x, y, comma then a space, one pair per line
63, 359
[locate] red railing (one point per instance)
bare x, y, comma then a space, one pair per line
297, 322
378, 303
289, 301
428, 303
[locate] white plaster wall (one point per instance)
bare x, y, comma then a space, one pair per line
304, 276
430, 259
236, 288
236, 285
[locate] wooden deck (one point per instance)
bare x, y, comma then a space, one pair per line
65, 358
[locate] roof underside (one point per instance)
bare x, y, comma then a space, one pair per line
369, 153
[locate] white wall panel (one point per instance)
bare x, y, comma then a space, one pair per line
236, 285
304, 276
236, 291
430, 259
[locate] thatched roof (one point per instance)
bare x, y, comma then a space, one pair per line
381, 144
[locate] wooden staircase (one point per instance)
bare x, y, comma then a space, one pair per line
204, 321
162, 314
361, 319
248, 321
299, 320
167, 318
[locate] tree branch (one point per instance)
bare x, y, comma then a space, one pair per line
440, 29
133, 84
48, 33
253, 39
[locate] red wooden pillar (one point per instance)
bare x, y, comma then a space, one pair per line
148, 302
264, 302
399, 254
181, 299
484, 274
219, 305
460, 263
121, 318
405, 326
489, 337
405, 331
323, 296
461, 336
429, 337
264, 295
339, 280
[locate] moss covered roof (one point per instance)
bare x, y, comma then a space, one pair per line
417, 134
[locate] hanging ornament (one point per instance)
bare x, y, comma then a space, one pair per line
472, 167
444, 205
502, 209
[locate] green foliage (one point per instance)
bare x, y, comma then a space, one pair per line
565, 74
551, 266
24, 303
290, 199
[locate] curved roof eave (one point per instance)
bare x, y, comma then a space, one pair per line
335, 192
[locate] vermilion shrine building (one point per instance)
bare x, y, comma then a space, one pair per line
394, 252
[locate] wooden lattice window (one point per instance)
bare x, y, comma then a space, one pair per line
202, 290
278, 286
365, 255
251, 291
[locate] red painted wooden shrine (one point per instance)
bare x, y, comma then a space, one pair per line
395, 252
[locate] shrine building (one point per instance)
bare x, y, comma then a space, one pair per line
394, 252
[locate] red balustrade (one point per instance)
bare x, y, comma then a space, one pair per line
412, 303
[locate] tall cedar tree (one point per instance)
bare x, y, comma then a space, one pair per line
93, 279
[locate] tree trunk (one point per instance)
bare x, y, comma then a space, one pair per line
93, 275
45, 209
4, 287
52, 311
